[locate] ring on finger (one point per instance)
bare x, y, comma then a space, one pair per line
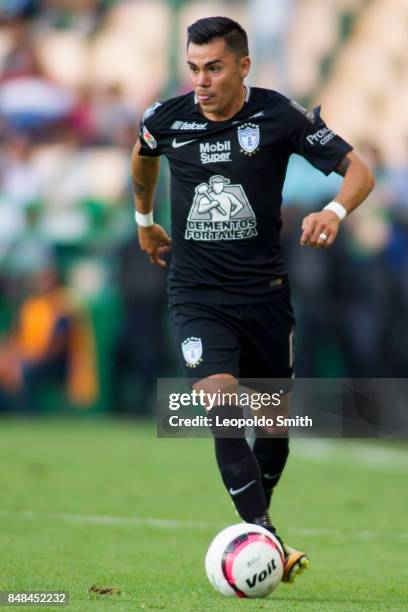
323, 236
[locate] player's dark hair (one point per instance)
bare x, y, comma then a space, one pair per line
204, 30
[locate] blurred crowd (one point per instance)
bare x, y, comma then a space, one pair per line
66, 229
66, 214
352, 300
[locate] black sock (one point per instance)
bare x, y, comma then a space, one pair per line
239, 468
271, 454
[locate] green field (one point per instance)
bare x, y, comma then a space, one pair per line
102, 503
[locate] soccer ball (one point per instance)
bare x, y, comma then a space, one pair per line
244, 560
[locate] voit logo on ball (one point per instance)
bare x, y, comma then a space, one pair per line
220, 211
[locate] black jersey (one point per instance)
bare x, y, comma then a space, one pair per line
226, 190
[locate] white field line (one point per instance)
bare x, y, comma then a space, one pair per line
95, 519
92, 519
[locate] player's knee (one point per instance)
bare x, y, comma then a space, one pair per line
217, 390
276, 417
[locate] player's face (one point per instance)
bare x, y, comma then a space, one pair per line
217, 76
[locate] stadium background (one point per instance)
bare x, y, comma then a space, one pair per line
88, 501
75, 76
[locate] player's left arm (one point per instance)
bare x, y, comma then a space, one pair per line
357, 184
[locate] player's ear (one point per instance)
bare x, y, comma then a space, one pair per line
244, 66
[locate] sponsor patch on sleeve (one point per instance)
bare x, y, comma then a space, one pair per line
149, 138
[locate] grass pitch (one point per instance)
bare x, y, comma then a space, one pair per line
107, 504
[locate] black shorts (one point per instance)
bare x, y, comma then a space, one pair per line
245, 340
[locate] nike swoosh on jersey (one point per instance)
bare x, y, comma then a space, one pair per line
240, 490
176, 144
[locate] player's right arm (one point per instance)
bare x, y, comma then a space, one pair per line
145, 173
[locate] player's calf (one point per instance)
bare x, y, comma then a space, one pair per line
271, 454
237, 464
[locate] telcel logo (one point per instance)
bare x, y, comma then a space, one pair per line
186, 125
211, 153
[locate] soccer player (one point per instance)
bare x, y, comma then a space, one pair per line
228, 147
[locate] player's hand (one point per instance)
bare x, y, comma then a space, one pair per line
155, 242
318, 225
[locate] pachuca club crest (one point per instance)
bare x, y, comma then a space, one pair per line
192, 351
248, 137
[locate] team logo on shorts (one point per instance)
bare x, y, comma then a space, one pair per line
192, 350
220, 211
248, 138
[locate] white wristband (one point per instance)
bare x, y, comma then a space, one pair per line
337, 208
144, 220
